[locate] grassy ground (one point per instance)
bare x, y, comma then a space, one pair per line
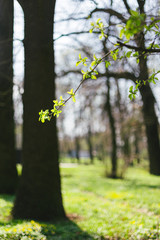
98, 208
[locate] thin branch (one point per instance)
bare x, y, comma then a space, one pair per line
111, 12
71, 18
94, 2
127, 6
64, 73
118, 75
141, 5
69, 34
140, 49
83, 80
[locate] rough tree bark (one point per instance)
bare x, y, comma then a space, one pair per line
149, 114
8, 172
39, 193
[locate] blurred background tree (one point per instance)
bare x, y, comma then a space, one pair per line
8, 172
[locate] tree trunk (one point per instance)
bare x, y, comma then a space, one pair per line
113, 133
8, 172
90, 147
39, 193
151, 124
77, 146
149, 114
136, 143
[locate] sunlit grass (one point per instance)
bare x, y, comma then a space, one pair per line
120, 208
98, 208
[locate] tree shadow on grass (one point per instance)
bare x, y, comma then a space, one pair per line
7, 197
61, 230
58, 230
69, 230
134, 184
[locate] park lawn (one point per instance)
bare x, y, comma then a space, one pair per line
98, 208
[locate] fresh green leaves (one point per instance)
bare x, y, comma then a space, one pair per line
72, 94
153, 78
55, 111
139, 83
114, 54
44, 115
133, 92
98, 26
107, 64
82, 60
134, 25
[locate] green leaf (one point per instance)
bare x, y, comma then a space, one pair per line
94, 56
156, 26
99, 19
73, 98
121, 33
128, 54
134, 13
93, 63
77, 63
71, 92
114, 57
84, 76
130, 96
107, 64
93, 77
131, 89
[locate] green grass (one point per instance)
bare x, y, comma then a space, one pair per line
98, 208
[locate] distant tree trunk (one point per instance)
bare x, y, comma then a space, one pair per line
126, 149
113, 132
136, 143
39, 193
90, 147
77, 149
8, 172
124, 134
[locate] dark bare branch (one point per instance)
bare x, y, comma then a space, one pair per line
64, 73
71, 18
111, 12
118, 75
140, 49
69, 34
127, 6
141, 5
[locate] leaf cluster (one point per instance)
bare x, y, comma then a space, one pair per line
134, 25
99, 25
